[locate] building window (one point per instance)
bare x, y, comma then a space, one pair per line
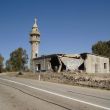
96, 68
105, 65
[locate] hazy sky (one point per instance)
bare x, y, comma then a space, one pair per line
66, 26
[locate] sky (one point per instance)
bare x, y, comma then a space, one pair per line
66, 26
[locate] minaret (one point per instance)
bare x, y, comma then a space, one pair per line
34, 41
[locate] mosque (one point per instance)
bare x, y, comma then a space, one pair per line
84, 62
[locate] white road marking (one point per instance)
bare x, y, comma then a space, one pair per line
60, 95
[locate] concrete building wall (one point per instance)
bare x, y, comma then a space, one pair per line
44, 64
96, 64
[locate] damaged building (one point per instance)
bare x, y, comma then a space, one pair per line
86, 62
57, 63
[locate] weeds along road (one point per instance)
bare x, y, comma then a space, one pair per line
27, 94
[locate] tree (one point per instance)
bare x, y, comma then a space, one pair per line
1, 63
18, 60
102, 48
8, 66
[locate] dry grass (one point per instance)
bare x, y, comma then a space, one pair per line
90, 80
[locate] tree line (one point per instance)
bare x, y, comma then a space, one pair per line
102, 48
19, 58
17, 61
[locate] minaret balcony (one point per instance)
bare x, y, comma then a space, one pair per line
34, 39
35, 33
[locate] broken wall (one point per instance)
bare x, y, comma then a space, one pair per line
72, 64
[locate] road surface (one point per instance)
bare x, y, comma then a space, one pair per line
26, 94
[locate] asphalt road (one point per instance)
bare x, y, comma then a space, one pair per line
27, 94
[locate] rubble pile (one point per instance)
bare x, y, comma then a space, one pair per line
88, 80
